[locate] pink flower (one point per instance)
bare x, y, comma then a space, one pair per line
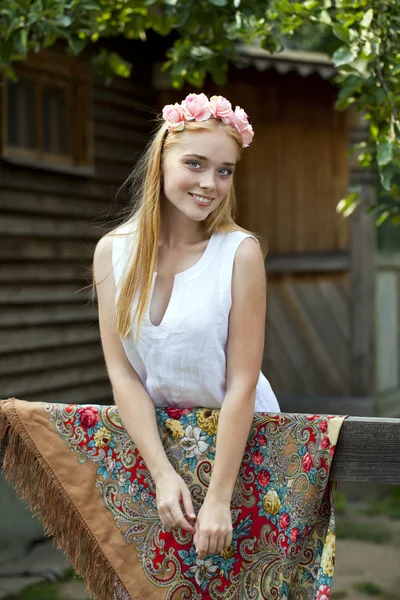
220, 107
323, 592
264, 478
294, 534
323, 426
257, 457
262, 440
325, 442
332, 450
174, 116
247, 136
89, 416
285, 521
308, 462
196, 106
239, 119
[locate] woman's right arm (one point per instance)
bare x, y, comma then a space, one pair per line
135, 407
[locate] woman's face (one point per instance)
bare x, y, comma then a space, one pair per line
198, 172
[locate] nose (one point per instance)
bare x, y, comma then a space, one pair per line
207, 181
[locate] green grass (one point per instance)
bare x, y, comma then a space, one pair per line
337, 594
39, 591
340, 502
347, 529
389, 506
45, 590
70, 574
367, 588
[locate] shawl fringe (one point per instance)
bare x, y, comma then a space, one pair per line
37, 485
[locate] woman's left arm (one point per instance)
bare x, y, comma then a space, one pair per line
244, 356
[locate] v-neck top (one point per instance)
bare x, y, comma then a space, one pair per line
182, 361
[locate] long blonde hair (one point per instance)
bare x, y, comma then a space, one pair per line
144, 187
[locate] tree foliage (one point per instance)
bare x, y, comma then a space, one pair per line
363, 42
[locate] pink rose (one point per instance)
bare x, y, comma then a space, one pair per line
174, 116
294, 534
220, 107
285, 521
262, 440
176, 413
307, 462
264, 478
323, 426
239, 119
257, 457
323, 592
197, 107
247, 136
332, 450
89, 416
325, 442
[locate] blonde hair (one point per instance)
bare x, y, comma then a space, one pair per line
144, 186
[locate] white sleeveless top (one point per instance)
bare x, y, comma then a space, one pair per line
182, 361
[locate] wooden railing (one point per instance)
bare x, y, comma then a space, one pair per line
368, 451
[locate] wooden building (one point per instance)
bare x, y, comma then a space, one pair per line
67, 143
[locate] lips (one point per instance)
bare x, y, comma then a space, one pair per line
200, 200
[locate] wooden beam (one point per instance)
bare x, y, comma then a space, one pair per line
368, 451
362, 250
308, 262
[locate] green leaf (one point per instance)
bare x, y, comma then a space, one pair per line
386, 175
348, 204
22, 42
64, 21
344, 56
384, 151
367, 19
201, 52
341, 32
76, 44
325, 17
219, 2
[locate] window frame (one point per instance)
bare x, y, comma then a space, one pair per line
74, 76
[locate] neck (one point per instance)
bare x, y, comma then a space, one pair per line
176, 229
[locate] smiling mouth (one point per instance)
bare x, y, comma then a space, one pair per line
204, 201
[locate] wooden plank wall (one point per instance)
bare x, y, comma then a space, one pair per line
288, 183
307, 334
50, 222
291, 178
387, 333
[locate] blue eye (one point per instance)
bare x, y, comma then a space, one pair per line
228, 172
193, 162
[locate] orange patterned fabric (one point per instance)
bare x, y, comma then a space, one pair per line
79, 471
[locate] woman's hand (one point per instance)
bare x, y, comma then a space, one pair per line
171, 490
213, 528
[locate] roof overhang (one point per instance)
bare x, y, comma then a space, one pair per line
302, 62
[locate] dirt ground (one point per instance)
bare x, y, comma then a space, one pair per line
367, 561
366, 568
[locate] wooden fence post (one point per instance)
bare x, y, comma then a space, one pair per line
362, 244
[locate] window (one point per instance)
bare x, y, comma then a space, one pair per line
46, 114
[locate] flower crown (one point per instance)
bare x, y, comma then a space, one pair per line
197, 107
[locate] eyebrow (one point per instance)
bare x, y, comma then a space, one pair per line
228, 164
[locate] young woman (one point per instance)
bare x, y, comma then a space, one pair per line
182, 300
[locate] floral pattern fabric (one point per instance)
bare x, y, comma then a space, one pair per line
282, 507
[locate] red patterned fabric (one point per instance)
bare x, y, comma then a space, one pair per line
282, 507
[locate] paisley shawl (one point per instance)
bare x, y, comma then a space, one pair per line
78, 470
